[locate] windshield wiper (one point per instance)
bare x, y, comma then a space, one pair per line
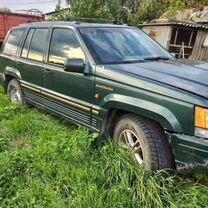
156, 58
132, 60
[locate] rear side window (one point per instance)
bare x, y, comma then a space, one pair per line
13, 41
38, 44
64, 44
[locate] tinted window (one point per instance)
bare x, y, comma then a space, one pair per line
38, 44
64, 44
26, 44
13, 41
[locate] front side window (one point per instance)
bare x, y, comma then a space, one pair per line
38, 44
121, 45
64, 45
13, 41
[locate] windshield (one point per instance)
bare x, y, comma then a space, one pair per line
121, 45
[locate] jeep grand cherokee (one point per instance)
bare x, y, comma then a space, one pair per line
114, 80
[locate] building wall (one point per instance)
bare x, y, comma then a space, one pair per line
162, 34
200, 52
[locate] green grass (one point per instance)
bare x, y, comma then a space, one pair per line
46, 162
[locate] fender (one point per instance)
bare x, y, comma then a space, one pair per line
150, 110
12, 72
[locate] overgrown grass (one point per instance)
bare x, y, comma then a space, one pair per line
45, 162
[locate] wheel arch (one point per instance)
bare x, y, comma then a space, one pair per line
154, 112
10, 73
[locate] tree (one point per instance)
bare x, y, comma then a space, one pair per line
106, 9
128, 11
132, 12
196, 3
174, 7
60, 14
147, 11
5, 9
58, 6
178, 5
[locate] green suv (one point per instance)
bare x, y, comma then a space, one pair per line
114, 80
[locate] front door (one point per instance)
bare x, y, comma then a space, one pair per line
67, 93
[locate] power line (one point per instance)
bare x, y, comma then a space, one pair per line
37, 2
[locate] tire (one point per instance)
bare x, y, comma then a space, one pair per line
146, 140
15, 93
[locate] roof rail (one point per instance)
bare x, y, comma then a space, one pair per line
77, 20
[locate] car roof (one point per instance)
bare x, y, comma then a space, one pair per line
71, 24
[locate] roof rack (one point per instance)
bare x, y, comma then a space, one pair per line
78, 20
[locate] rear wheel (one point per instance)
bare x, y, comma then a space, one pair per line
145, 140
15, 93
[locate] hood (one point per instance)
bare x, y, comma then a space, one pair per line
187, 75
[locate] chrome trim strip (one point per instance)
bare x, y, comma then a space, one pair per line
66, 101
95, 112
30, 88
104, 87
57, 96
29, 84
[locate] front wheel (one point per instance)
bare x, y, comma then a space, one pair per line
145, 140
15, 93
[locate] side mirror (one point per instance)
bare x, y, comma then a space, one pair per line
74, 65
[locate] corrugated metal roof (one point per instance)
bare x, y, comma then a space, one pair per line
166, 22
204, 20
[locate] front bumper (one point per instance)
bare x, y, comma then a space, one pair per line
191, 153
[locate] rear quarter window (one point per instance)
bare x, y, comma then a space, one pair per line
13, 41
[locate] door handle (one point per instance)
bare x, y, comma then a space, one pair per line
48, 71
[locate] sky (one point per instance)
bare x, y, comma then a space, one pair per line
42, 5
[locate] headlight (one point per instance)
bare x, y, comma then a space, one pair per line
201, 122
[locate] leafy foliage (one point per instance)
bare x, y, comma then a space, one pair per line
132, 12
60, 14
147, 11
107, 9
197, 3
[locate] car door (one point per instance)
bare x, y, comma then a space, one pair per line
30, 63
9, 50
67, 93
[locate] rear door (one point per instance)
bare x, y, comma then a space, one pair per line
30, 63
9, 51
